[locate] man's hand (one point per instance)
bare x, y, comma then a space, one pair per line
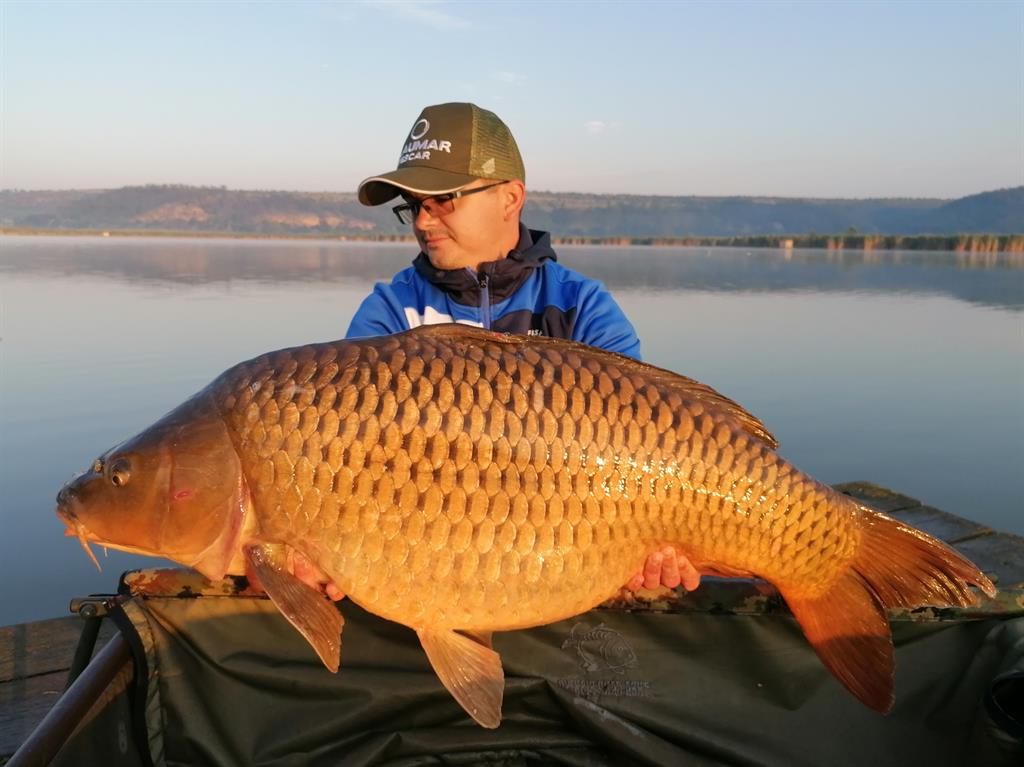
665, 567
305, 571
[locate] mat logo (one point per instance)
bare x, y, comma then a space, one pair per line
600, 649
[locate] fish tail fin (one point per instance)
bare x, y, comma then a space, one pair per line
895, 566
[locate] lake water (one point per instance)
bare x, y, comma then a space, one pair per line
905, 369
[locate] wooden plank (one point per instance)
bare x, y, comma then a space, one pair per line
877, 497
34, 662
30, 649
23, 704
998, 553
943, 525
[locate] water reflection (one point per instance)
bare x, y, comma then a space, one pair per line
990, 279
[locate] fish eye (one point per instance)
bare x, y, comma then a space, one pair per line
120, 472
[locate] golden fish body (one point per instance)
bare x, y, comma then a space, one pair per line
457, 480
473, 481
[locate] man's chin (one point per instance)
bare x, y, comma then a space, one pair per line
444, 256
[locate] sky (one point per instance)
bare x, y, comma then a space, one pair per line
810, 99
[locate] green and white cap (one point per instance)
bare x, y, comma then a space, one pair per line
449, 146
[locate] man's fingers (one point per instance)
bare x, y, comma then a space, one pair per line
334, 592
667, 568
652, 570
688, 574
670, 568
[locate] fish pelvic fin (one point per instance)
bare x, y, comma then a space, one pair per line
316, 618
471, 672
894, 566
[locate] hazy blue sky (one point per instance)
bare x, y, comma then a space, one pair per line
816, 99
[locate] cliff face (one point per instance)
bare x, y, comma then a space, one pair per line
173, 213
216, 209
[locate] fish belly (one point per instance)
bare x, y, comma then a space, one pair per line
462, 479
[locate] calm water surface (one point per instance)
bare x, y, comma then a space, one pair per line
905, 369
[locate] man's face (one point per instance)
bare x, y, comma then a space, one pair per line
472, 233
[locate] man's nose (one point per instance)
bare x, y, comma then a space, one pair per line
423, 218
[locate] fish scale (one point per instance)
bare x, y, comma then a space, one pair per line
457, 480
446, 454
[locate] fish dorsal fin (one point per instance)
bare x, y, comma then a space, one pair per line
470, 671
317, 619
687, 388
691, 390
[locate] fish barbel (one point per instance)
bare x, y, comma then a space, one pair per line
461, 482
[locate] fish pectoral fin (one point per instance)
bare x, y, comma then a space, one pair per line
316, 618
471, 672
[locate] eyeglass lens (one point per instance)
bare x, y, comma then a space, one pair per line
434, 206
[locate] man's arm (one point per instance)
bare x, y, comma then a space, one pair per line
380, 314
601, 323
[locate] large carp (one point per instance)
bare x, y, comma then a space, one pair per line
461, 482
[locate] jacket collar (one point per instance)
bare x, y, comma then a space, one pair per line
504, 276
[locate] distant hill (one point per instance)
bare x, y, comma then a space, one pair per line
217, 209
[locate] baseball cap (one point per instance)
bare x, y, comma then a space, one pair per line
449, 146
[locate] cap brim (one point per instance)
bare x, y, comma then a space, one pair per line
377, 190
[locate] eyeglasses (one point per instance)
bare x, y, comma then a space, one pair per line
437, 205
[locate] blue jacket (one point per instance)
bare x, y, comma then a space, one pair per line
527, 293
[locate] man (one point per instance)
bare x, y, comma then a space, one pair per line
461, 181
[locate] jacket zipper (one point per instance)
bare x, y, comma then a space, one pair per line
485, 301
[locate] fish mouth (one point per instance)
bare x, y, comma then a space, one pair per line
76, 529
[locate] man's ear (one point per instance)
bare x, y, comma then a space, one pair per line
513, 195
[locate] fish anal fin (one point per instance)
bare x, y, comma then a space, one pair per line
851, 635
471, 672
486, 638
317, 619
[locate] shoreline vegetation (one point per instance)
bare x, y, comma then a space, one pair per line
958, 243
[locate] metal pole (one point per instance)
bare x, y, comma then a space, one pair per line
50, 735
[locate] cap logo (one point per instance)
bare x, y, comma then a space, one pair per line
419, 130
419, 148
